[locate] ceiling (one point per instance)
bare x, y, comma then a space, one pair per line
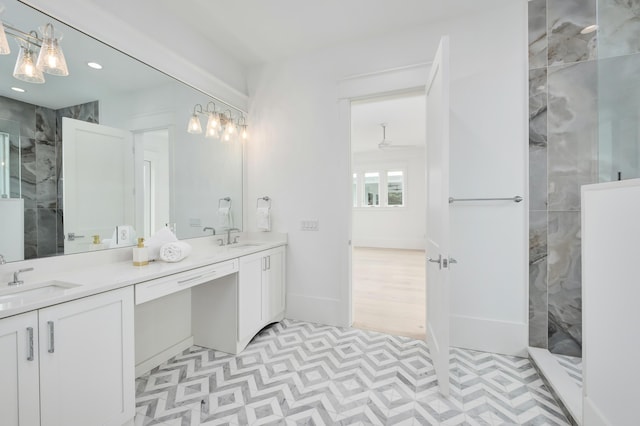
120, 74
257, 31
405, 117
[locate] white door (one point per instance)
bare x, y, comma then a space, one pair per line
87, 361
19, 383
273, 285
437, 91
98, 178
250, 274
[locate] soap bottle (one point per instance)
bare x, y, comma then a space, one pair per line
140, 254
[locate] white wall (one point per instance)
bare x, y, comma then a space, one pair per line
393, 227
298, 156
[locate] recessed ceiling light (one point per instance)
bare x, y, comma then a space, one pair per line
94, 65
589, 29
17, 89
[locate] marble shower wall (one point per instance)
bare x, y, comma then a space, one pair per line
563, 137
35, 169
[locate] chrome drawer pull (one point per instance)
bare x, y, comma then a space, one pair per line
52, 347
30, 343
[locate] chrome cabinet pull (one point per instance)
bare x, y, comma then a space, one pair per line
52, 347
30, 343
190, 279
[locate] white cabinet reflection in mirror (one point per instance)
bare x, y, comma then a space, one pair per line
69, 364
98, 188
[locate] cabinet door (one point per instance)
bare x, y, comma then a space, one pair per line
19, 391
87, 361
250, 295
273, 285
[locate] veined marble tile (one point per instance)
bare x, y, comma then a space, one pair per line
538, 310
538, 139
619, 27
537, 33
47, 230
21, 112
564, 281
46, 182
45, 129
572, 133
565, 20
28, 172
30, 233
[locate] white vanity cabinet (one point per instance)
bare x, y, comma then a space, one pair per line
260, 291
19, 388
82, 372
227, 315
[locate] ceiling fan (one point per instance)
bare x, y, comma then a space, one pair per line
387, 144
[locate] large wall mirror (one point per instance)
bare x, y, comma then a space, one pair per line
94, 159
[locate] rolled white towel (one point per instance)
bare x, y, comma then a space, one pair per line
174, 252
157, 240
263, 215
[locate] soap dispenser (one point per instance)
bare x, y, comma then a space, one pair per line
140, 254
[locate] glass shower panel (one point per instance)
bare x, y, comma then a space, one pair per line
618, 89
619, 118
5, 190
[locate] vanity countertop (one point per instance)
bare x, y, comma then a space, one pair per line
85, 281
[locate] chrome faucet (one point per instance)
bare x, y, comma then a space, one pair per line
229, 235
208, 228
16, 277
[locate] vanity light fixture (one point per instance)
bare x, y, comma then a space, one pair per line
220, 125
194, 126
94, 65
50, 58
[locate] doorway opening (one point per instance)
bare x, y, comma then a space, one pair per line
388, 214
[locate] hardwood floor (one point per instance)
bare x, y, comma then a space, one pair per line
389, 291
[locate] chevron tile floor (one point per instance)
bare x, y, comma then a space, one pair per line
298, 373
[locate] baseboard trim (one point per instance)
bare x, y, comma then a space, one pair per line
480, 334
592, 415
563, 386
163, 356
320, 310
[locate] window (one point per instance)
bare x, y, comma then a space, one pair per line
395, 188
354, 190
372, 189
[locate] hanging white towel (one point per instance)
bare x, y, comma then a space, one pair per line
264, 219
157, 240
225, 219
174, 252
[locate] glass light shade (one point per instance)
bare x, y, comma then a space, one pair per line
51, 59
231, 127
245, 134
227, 137
211, 133
4, 44
194, 125
212, 121
26, 69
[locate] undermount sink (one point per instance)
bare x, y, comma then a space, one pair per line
12, 297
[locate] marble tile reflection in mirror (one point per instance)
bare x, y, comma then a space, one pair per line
177, 177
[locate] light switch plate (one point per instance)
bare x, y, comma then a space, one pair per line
309, 225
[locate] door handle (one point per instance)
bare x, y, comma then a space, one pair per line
438, 261
72, 236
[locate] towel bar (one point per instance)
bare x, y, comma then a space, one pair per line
515, 199
266, 199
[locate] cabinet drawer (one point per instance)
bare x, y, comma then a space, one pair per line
164, 286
